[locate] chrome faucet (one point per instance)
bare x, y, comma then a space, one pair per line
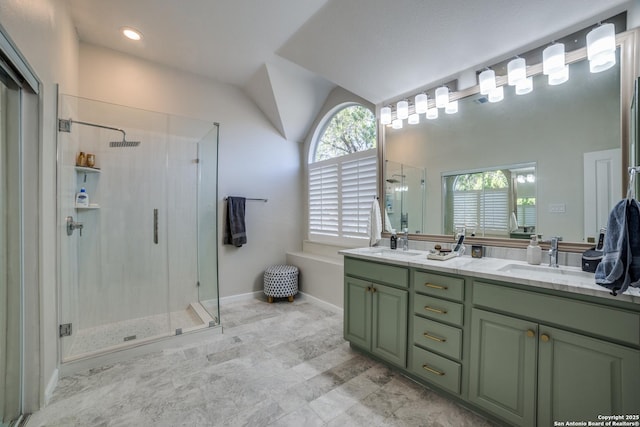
405, 240
553, 251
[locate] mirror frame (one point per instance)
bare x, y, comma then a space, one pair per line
628, 43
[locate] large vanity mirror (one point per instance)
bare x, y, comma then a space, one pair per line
551, 162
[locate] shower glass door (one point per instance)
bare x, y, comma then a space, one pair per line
129, 265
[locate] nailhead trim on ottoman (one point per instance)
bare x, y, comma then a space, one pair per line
281, 281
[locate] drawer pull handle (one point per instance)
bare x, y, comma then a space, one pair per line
435, 310
433, 371
544, 337
431, 337
431, 285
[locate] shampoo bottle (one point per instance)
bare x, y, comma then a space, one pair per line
394, 239
534, 251
82, 199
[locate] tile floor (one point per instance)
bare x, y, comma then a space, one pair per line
276, 364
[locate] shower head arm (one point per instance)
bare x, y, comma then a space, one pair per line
124, 135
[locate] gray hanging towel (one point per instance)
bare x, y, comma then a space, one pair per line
235, 231
620, 266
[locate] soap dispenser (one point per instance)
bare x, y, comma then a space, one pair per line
534, 251
394, 239
82, 199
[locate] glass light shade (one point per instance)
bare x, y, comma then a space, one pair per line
559, 77
497, 94
385, 115
422, 103
516, 71
442, 97
414, 119
487, 81
132, 33
432, 113
451, 107
553, 59
396, 124
601, 48
402, 108
525, 86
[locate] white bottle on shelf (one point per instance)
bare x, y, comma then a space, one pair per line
82, 199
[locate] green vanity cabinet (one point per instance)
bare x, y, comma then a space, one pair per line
375, 315
529, 373
503, 366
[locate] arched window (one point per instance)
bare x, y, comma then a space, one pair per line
342, 174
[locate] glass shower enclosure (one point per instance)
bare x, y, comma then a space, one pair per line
138, 261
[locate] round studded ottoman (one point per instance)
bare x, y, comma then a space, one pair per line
281, 281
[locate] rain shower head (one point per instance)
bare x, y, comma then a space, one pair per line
123, 143
392, 181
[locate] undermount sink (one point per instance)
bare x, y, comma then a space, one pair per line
543, 271
391, 252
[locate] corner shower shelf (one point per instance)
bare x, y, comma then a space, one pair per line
85, 169
89, 208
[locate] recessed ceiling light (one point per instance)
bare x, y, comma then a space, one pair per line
131, 33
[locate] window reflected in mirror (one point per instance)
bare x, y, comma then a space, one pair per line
404, 197
494, 202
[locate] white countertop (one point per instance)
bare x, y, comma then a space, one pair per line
569, 279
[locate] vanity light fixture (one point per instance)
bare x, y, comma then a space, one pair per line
414, 119
385, 115
516, 71
601, 48
487, 80
396, 124
402, 109
422, 103
497, 94
432, 113
442, 97
131, 33
451, 107
525, 86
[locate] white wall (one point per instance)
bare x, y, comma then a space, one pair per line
42, 31
255, 161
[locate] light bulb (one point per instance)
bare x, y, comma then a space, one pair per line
414, 119
553, 59
422, 103
442, 97
432, 113
601, 48
497, 94
402, 108
525, 86
487, 81
396, 124
516, 71
559, 77
451, 107
385, 115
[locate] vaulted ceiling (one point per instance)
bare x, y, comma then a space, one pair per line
288, 54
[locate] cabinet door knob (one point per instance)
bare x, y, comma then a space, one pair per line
373, 290
544, 337
530, 333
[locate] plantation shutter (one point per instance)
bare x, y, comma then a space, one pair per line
494, 211
358, 189
341, 191
323, 199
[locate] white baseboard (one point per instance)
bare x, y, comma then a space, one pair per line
322, 303
241, 297
260, 296
51, 386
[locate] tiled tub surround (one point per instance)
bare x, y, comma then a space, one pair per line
528, 345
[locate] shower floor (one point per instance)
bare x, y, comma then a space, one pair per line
104, 337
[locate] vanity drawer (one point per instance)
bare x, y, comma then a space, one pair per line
596, 319
435, 336
439, 285
438, 309
377, 272
436, 369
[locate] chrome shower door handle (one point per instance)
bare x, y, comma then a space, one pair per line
155, 226
72, 225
